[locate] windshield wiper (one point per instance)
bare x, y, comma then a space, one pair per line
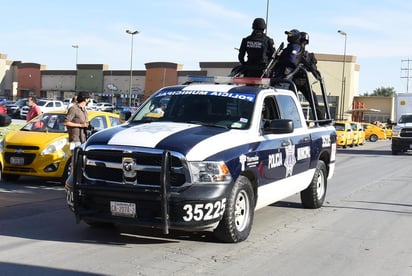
206, 124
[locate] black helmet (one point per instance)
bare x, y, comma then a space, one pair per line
259, 24
293, 36
304, 38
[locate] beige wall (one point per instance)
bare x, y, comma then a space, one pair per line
331, 67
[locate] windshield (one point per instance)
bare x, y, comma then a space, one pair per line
47, 123
340, 127
405, 119
231, 110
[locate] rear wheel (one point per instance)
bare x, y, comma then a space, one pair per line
237, 220
314, 195
373, 138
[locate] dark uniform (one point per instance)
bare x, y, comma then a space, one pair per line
291, 55
259, 49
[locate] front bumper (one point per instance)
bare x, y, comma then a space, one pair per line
401, 144
191, 206
197, 207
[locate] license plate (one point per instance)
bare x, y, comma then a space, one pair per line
123, 209
17, 160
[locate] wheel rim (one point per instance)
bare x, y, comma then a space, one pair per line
320, 185
241, 210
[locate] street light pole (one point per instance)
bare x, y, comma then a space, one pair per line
77, 52
343, 76
132, 33
77, 55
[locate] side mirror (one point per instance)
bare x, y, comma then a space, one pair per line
5, 120
279, 126
124, 116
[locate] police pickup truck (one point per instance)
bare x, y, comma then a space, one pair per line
200, 157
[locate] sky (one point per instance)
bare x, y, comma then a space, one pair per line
191, 31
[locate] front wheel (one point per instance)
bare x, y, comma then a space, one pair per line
237, 220
314, 195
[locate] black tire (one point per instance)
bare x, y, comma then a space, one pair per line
237, 220
67, 171
98, 224
314, 195
373, 138
10, 177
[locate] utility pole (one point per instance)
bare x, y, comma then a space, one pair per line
406, 70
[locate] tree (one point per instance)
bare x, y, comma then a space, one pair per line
383, 92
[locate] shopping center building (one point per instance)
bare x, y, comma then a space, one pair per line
121, 87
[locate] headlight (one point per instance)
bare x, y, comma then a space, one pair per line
210, 172
396, 132
55, 146
2, 145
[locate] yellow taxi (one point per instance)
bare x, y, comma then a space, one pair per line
41, 147
388, 131
358, 133
344, 134
373, 133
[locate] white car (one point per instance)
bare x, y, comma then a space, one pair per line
50, 105
108, 107
23, 112
45, 106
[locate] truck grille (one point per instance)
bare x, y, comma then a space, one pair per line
406, 132
139, 166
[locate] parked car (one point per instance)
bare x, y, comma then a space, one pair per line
91, 105
358, 133
13, 108
23, 112
45, 106
344, 134
3, 109
108, 107
41, 147
50, 105
374, 133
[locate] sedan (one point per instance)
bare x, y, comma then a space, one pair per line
108, 107
41, 147
13, 108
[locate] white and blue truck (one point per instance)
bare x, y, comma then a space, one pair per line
208, 159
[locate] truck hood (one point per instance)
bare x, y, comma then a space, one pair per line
197, 142
403, 125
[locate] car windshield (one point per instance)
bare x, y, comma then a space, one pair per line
405, 119
41, 103
229, 110
340, 127
47, 122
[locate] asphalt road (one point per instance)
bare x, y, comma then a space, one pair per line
363, 229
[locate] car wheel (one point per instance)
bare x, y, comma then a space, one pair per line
237, 220
314, 195
67, 171
373, 138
